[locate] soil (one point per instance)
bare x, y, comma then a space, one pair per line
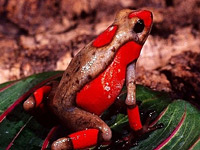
38, 36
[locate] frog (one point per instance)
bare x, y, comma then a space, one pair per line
94, 79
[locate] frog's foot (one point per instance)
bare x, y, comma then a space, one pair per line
131, 139
37, 104
136, 125
36, 99
78, 140
91, 129
148, 126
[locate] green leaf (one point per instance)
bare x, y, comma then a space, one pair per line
196, 145
4, 85
120, 122
18, 89
14, 121
181, 128
150, 100
19, 130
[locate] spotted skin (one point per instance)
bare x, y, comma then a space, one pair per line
109, 52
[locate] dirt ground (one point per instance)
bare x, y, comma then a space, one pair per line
38, 36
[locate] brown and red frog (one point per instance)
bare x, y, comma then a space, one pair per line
94, 79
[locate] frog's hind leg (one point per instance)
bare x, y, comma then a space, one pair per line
77, 140
89, 130
36, 99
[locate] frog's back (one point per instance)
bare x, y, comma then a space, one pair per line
85, 67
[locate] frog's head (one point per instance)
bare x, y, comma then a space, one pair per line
135, 22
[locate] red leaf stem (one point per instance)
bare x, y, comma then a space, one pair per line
49, 136
172, 134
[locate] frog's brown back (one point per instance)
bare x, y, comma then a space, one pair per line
86, 66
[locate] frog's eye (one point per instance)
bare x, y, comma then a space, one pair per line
139, 26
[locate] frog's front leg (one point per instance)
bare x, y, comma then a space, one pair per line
132, 108
89, 129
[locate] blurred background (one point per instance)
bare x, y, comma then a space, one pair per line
43, 35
